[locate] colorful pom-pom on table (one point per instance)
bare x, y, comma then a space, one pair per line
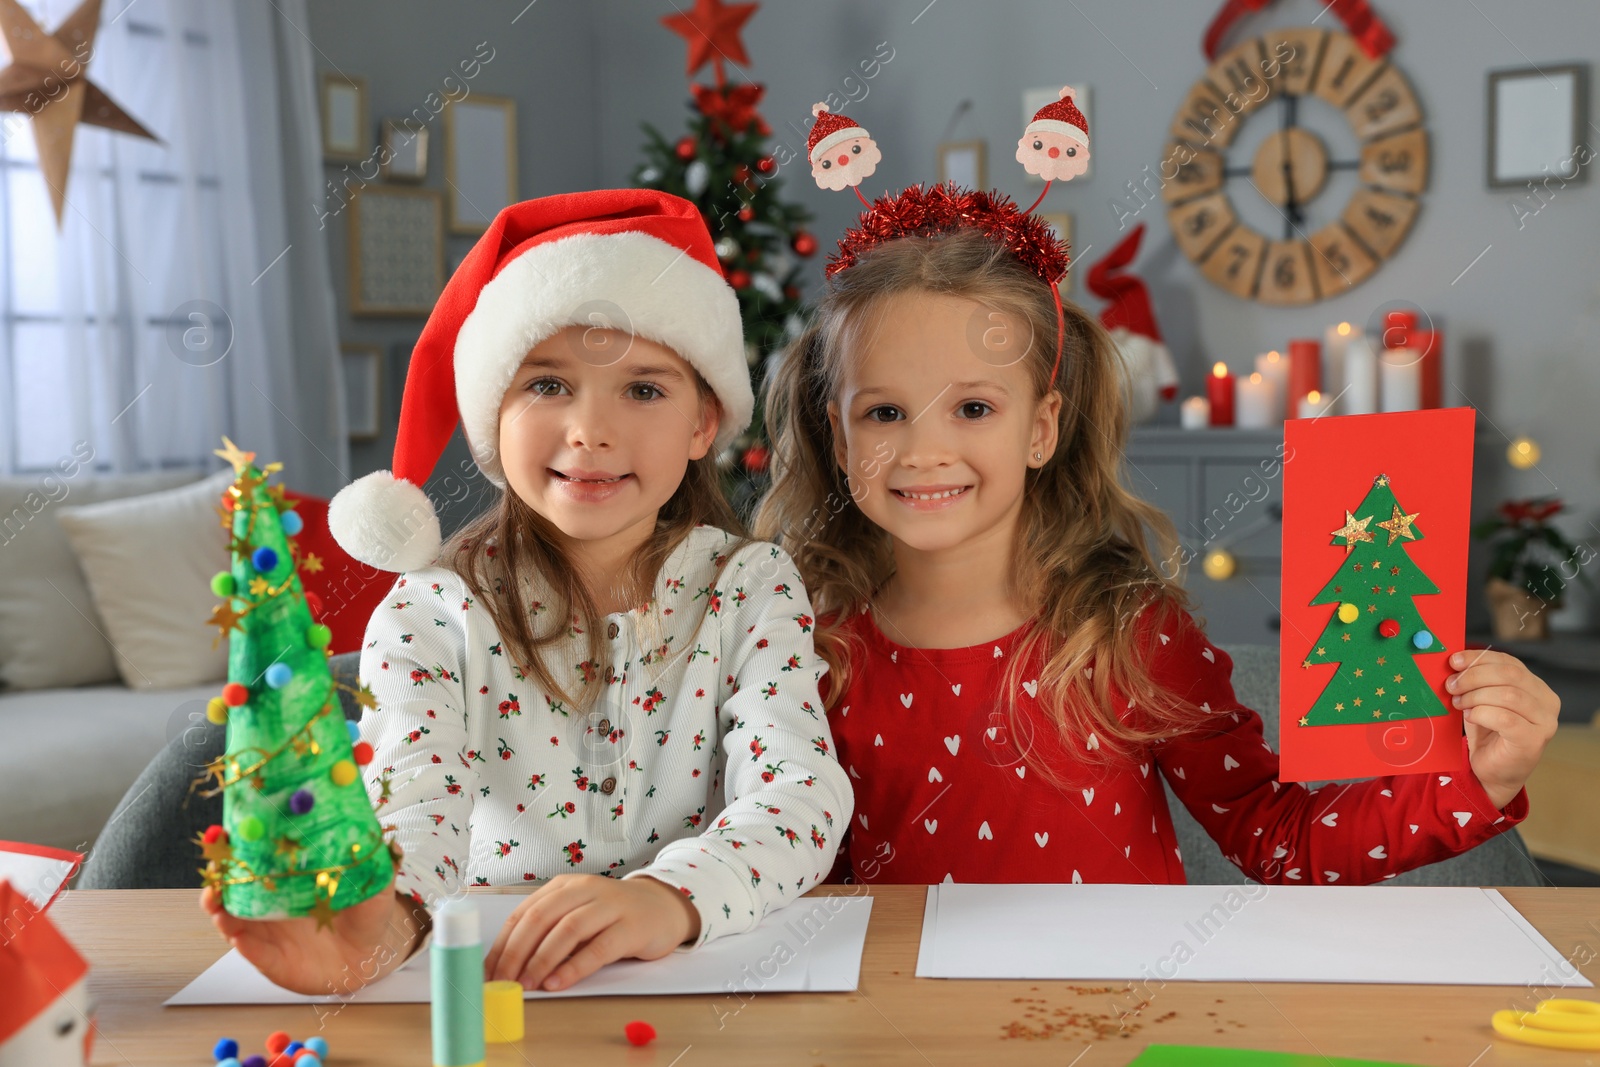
279, 674
235, 694
222, 584
227, 1047
291, 522
639, 1033
230, 1061
277, 1041
254, 1061
319, 1045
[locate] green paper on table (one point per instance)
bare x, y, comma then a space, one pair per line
1198, 1056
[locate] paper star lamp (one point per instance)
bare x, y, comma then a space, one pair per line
48, 81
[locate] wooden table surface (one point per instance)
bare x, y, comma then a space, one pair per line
145, 945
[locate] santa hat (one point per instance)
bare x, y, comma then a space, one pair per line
1129, 316
829, 131
37, 963
542, 265
1060, 116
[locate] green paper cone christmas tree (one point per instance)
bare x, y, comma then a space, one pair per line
298, 835
1376, 631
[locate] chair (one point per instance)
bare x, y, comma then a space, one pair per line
148, 841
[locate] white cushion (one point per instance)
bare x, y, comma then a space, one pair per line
149, 562
50, 633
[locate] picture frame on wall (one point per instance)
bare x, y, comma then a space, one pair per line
396, 250
1061, 223
1537, 122
1034, 99
405, 152
363, 390
963, 162
480, 156
344, 118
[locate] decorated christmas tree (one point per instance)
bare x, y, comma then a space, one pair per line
724, 165
1376, 630
298, 835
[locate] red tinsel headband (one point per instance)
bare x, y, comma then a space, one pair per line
1055, 145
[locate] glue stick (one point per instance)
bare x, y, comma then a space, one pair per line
456, 961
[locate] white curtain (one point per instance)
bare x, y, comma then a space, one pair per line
187, 294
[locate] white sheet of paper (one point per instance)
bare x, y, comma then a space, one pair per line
36, 872
821, 936
1408, 934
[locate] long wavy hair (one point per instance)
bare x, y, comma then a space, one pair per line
511, 550
1081, 562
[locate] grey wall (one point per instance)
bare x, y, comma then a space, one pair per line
1517, 323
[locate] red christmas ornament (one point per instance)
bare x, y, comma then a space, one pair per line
362, 753
804, 244
791, 292
739, 279
945, 207
686, 147
741, 174
746, 213
756, 458
639, 1033
1389, 628
766, 164
732, 109
235, 695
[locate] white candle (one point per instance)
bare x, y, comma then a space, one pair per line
1334, 343
1400, 380
1195, 413
1256, 405
1274, 370
1360, 377
1314, 404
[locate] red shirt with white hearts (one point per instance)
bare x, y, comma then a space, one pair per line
942, 794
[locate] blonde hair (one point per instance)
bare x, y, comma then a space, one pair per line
494, 552
1081, 562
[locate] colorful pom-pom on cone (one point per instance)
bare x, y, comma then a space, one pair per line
251, 828
343, 772
263, 559
217, 710
354, 729
292, 522
279, 674
222, 584
301, 801
362, 752
234, 694
213, 834
318, 635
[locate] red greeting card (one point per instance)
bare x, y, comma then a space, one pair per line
1376, 519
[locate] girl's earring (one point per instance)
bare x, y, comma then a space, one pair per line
1038, 457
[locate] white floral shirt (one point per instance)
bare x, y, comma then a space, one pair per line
706, 762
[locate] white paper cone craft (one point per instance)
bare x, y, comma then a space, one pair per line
842, 153
1055, 145
1148, 373
46, 1014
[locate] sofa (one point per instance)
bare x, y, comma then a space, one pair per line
148, 843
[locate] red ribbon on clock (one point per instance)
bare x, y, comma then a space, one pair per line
1363, 23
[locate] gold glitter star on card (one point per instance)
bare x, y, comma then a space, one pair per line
311, 564
1399, 524
1353, 530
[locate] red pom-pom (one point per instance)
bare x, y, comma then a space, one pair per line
277, 1041
314, 602
281, 1060
1389, 628
639, 1033
235, 695
947, 207
362, 753
213, 834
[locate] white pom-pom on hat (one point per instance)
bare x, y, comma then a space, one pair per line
387, 522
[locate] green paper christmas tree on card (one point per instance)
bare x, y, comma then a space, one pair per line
1376, 631
298, 835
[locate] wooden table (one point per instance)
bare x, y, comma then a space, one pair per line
145, 945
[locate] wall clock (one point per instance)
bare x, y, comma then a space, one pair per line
1290, 168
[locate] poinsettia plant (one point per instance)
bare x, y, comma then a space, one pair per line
1528, 551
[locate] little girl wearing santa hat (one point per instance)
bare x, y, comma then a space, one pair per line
598, 687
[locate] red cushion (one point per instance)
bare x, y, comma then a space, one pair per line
350, 590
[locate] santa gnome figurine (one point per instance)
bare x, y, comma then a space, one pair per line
46, 1014
1149, 378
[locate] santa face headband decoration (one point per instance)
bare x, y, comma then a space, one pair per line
1055, 146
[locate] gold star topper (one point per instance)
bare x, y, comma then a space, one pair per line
1400, 524
240, 459
1353, 530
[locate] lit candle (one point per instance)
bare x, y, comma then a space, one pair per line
1274, 370
1219, 391
1334, 342
1400, 380
1257, 403
1195, 413
1431, 344
1305, 370
1313, 405
1360, 377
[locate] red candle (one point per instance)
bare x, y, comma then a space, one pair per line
1219, 390
1431, 344
1305, 371
1397, 328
